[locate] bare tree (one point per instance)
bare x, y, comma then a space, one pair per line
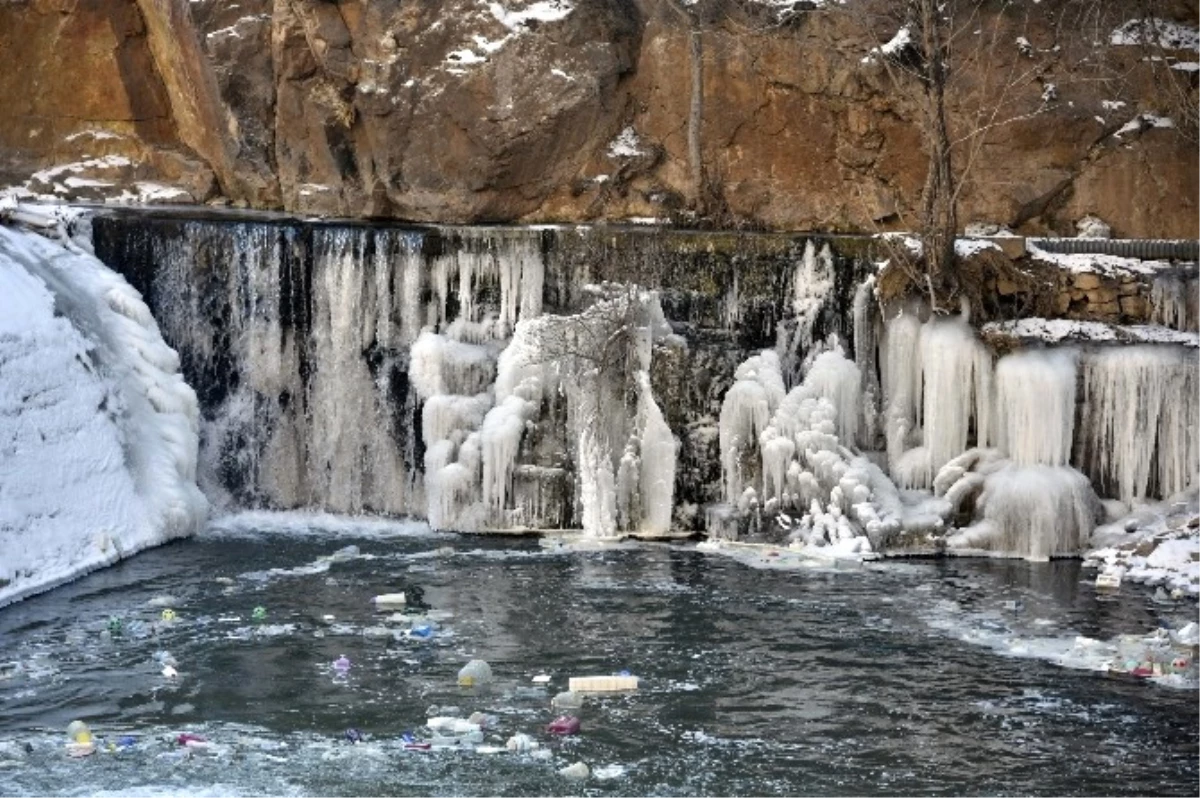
692, 16
970, 70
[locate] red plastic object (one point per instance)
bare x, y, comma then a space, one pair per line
567, 724
417, 746
185, 738
1142, 670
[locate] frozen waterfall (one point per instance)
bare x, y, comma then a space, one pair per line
98, 429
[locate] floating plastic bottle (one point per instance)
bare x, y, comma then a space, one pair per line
79, 732
80, 739
576, 772
258, 614
169, 615
341, 664
521, 744
567, 700
475, 673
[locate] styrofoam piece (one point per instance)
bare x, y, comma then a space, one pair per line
602, 684
389, 601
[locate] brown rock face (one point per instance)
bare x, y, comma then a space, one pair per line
571, 110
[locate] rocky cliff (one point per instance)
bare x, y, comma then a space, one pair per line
569, 110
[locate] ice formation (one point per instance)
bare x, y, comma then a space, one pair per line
316, 347
1035, 406
593, 359
99, 430
812, 284
938, 390
1175, 301
943, 397
1033, 511
1141, 432
788, 450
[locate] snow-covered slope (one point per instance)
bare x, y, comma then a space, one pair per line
98, 431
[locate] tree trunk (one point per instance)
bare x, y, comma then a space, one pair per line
939, 217
696, 116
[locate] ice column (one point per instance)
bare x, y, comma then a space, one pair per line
1035, 403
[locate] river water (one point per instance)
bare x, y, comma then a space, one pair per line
897, 677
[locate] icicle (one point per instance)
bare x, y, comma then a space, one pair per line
951, 357
1174, 299
866, 357
1035, 399
658, 451
1141, 406
901, 383
812, 283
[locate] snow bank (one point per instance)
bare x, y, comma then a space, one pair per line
98, 432
1158, 544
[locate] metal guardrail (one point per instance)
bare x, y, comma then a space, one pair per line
1143, 248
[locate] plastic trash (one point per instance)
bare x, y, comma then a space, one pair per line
542, 678
115, 625
474, 673
1108, 581
413, 744
1162, 596
567, 724
169, 672
126, 741
1188, 635
390, 601
490, 749
452, 726
258, 614
421, 631
169, 615
79, 739
341, 664
602, 684
521, 744
353, 735
576, 772
78, 732
567, 700
483, 720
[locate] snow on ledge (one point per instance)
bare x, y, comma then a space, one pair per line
1112, 265
1164, 33
1056, 331
99, 429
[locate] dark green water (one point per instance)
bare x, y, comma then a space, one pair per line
754, 682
